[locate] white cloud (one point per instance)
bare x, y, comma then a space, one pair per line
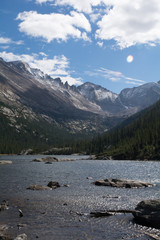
71, 80
43, 1
4, 46
55, 25
9, 41
100, 44
131, 22
133, 83
5, 40
126, 22
114, 76
43, 54
58, 66
80, 5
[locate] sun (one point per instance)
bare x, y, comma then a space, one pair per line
130, 58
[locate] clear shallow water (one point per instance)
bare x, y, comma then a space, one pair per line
63, 213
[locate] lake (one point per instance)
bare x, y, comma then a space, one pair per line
64, 213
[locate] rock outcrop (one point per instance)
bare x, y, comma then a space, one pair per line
120, 183
148, 212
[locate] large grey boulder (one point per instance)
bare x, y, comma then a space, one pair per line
120, 183
148, 212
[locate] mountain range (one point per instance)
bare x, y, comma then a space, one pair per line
42, 111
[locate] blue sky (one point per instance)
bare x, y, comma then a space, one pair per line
112, 43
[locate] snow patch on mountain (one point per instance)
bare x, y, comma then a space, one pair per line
95, 92
129, 93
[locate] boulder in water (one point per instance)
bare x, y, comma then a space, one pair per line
148, 213
120, 183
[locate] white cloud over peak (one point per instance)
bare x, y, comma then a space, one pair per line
58, 66
131, 22
55, 25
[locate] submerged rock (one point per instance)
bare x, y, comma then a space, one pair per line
148, 212
46, 159
122, 183
3, 236
21, 237
51, 185
4, 206
50, 159
5, 162
38, 187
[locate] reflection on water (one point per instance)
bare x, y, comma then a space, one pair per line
63, 213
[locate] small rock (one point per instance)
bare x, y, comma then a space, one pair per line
66, 185
90, 178
20, 213
4, 206
101, 214
21, 237
20, 225
53, 184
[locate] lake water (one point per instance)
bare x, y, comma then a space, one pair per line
64, 213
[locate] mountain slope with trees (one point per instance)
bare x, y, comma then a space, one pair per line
136, 138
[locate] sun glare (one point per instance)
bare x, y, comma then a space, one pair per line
130, 58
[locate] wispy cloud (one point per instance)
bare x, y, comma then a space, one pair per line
4, 40
58, 66
114, 76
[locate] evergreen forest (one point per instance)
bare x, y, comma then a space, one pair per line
136, 138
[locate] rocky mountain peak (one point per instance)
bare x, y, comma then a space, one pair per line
96, 92
22, 66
